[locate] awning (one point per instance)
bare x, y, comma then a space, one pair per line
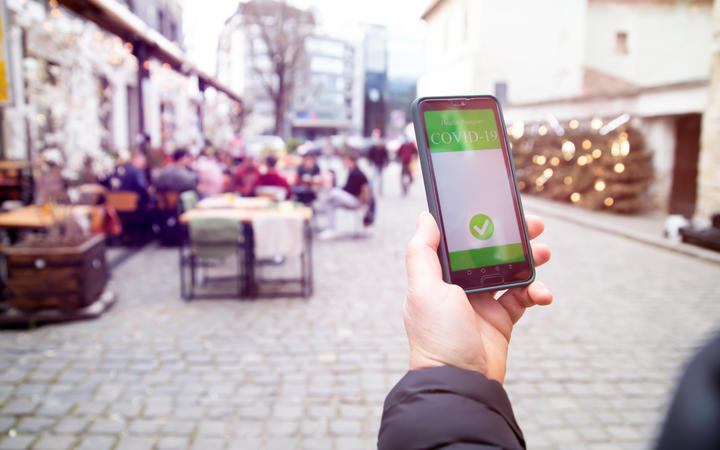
119, 20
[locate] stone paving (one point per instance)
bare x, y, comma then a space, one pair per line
595, 370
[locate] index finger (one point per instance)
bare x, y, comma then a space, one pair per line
535, 226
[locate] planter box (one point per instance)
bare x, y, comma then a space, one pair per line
56, 277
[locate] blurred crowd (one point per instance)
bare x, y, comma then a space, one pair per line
307, 176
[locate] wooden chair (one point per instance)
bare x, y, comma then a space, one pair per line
134, 223
123, 201
167, 201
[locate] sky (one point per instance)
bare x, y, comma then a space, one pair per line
202, 23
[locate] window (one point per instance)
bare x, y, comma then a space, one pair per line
621, 43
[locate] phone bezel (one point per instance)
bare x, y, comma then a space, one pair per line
470, 280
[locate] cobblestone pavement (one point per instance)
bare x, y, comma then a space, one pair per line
594, 370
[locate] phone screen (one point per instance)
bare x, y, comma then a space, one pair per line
476, 196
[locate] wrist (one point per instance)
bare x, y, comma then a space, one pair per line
421, 360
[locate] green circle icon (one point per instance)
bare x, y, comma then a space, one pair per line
481, 226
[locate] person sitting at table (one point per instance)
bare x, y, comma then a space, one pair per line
308, 180
132, 176
245, 175
210, 174
177, 176
348, 197
272, 178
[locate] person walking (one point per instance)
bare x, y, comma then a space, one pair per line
378, 157
407, 153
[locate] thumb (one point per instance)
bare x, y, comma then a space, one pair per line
421, 259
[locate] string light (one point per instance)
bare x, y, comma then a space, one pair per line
568, 180
624, 148
599, 185
518, 129
542, 130
547, 173
574, 124
609, 201
586, 144
539, 159
581, 161
615, 148
596, 153
521, 184
575, 197
568, 150
596, 123
619, 168
554, 161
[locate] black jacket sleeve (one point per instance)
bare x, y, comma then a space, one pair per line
447, 406
694, 416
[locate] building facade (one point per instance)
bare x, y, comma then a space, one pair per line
164, 16
85, 95
322, 103
323, 99
581, 59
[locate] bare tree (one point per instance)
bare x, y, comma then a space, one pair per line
276, 35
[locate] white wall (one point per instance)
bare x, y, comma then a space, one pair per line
537, 49
666, 43
120, 125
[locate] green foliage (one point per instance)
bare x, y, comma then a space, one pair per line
293, 144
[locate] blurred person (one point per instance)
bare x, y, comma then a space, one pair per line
244, 177
407, 153
177, 176
132, 176
346, 197
87, 173
49, 185
308, 180
210, 174
452, 394
694, 414
328, 149
378, 157
272, 178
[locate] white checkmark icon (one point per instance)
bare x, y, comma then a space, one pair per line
481, 231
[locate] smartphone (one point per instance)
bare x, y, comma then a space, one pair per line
472, 192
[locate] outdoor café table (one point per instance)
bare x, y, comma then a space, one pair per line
245, 215
34, 217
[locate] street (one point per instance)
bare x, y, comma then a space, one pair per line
594, 370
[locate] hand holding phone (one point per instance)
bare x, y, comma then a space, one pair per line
472, 192
446, 326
